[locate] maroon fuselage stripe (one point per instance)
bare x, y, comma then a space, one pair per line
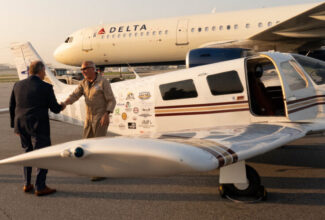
308, 106
201, 105
304, 99
200, 113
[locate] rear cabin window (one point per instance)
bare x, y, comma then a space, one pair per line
178, 90
225, 83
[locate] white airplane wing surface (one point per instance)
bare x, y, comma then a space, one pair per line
309, 25
308, 28
172, 153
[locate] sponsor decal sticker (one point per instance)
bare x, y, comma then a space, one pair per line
144, 95
135, 110
124, 116
132, 125
130, 96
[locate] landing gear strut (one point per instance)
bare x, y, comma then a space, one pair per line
251, 192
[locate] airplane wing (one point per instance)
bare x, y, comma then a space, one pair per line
172, 153
306, 30
309, 25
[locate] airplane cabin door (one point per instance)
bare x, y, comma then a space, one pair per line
182, 32
300, 95
87, 41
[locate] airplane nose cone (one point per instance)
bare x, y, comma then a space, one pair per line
59, 54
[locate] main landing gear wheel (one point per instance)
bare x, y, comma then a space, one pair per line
253, 191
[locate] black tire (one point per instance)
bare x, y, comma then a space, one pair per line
253, 189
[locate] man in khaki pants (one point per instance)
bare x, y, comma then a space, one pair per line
99, 99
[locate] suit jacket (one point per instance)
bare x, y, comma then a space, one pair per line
29, 103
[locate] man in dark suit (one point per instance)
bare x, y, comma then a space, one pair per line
29, 103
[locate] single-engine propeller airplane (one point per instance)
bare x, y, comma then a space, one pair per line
192, 120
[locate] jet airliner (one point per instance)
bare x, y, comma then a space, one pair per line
292, 28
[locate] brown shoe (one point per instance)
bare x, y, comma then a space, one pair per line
28, 188
95, 178
45, 191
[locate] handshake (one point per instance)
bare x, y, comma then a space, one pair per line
63, 105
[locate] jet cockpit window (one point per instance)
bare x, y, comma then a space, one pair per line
225, 83
69, 40
178, 90
313, 67
293, 75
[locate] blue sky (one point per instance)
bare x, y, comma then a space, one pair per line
47, 23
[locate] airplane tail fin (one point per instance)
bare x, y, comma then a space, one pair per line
24, 54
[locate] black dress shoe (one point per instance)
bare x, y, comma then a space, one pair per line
45, 191
95, 178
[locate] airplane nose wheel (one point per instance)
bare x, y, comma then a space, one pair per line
253, 191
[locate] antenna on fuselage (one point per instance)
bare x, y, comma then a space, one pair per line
135, 73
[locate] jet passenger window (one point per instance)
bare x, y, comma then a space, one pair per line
225, 83
178, 90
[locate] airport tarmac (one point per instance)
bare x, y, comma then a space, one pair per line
294, 176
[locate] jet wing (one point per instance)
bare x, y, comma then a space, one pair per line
309, 25
172, 153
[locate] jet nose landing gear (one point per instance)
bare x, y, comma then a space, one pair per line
253, 191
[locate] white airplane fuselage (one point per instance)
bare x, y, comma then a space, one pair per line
170, 39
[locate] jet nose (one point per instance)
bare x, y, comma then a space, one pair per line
59, 54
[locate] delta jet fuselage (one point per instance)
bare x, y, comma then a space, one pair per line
289, 28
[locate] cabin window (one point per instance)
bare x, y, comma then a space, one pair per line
141, 34
107, 36
130, 34
228, 27
103, 36
199, 29
166, 32
277, 22
247, 25
113, 36
160, 32
293, 75
119, 35
236, 26
206, 29
193, 29
213, 28
124, 35
148, 33
154, 33
94, 35
260, 24
135, 34
220, 27
178, 90
269, 24
225, 83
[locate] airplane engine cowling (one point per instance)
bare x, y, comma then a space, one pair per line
203, 56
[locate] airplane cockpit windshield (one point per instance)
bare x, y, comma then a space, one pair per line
69, 40
314, 67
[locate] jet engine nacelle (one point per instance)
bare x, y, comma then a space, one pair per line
317, 54
203, 56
